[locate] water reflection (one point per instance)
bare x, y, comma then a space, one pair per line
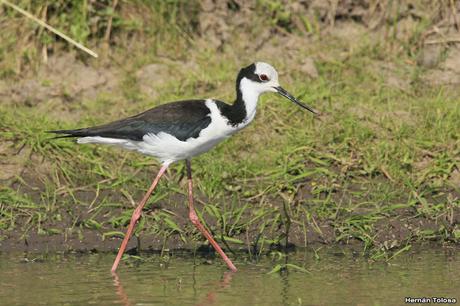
210, 297
333, 280
223, 283
121, 293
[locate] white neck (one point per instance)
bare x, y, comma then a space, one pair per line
250, 94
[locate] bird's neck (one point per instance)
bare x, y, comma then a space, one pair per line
243, 109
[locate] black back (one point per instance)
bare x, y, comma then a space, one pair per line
182, 119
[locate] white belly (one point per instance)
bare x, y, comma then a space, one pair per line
168, 148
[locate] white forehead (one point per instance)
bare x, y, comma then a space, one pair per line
264, 68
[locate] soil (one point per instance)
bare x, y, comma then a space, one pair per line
66, 80
390, 233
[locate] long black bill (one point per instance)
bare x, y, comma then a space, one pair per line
284, 93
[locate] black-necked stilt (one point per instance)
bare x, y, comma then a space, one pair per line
180, 130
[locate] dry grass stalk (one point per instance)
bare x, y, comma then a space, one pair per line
50, 28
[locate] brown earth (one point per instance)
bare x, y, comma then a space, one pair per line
66, 80
390, 233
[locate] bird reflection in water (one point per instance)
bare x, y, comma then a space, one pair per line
120, 291
210, 298
223, 283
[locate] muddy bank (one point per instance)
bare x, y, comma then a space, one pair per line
388, 234
327, 52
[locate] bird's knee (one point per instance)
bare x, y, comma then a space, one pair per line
194, 218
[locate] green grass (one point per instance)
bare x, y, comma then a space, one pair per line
378, 156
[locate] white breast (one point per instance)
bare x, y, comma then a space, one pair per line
168, 148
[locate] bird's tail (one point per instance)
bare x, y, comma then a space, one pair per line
68, 133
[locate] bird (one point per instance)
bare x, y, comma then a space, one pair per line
180, 130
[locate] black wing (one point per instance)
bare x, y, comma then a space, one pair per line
182, 119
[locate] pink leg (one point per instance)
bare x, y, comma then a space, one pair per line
136, 215
194, 218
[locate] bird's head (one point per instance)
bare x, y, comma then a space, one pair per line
261, 77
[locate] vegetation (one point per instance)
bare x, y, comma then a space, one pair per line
381, 166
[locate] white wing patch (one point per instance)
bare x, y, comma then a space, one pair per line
124, 143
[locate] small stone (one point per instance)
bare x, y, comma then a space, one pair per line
454, 178
430, 56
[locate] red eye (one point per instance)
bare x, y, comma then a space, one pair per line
263, 77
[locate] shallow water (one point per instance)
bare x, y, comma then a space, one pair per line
337, 278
